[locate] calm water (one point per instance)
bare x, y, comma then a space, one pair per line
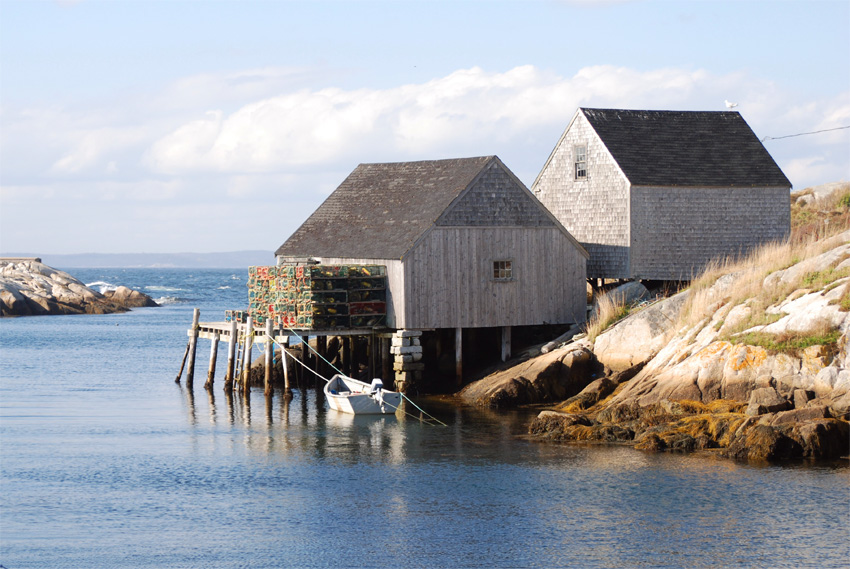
106, 462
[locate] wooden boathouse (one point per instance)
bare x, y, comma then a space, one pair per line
656, 195
467, 256
469, 253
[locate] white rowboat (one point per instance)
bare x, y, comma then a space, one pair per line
349, 395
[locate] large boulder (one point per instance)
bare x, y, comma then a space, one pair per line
766, 400
129, 298
29, 288
548, 378
637, 339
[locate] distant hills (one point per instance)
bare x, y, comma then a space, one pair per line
229, 260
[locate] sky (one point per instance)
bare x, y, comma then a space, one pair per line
165, 126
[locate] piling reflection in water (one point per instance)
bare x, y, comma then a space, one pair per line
304, 424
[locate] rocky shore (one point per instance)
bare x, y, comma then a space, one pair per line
751, 362
28, 287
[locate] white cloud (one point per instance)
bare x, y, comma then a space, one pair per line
212, 149
464, 111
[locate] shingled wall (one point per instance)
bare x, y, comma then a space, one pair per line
594, 210
495, 199
676, 231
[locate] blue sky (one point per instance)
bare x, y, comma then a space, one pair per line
165, 126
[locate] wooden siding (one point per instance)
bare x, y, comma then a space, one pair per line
448, 279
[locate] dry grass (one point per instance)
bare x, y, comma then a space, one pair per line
822, 218
610, 308
749, 286
810, 226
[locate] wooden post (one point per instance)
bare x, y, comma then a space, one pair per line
345, 356
305, 359
246, 356
213, 358
459, 355
386, 362
322, 348
231, 355
370, 348
183, 363
287, 389
193, 343
506, 343
269, 356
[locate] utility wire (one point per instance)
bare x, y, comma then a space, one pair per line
803, 133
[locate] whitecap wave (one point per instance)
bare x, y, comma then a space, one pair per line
102, 286
223, 287
157, 288
168, 300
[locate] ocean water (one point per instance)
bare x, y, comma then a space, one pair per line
106, 462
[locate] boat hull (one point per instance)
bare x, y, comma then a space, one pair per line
348, 395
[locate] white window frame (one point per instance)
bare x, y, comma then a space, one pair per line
580, 161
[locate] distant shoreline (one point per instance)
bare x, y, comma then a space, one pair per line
223, 260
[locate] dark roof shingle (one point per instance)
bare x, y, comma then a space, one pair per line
380, 210
685, 148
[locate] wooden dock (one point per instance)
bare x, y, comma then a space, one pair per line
241, 338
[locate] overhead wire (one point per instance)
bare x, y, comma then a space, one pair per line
803, 133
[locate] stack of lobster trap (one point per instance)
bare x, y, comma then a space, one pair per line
317, 297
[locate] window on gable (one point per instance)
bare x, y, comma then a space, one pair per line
502, 271
581, 162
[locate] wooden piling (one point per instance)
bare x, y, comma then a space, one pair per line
246, 356
322, 348
183, 363
269, 357
386, 362
459, 355
284, 353
231, 355
213, 358
345, 356
193, 343
370, 351
506, 343
305, 359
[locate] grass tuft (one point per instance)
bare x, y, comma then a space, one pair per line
610, 309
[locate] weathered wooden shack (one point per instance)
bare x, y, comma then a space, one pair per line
655, 195
466, 246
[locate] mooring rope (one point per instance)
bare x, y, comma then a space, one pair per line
312, 349
302, 364
431, 417
326, 380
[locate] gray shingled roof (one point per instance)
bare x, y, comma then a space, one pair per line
685, 148
380, 210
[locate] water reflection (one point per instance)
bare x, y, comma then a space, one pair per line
305, 425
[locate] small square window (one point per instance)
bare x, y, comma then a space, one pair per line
502, 271
581, 162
